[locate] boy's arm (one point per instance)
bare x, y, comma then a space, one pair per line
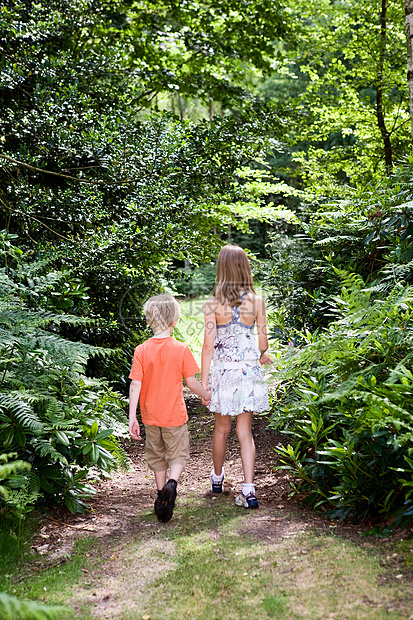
134, 392
198, 389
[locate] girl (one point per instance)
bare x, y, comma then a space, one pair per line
236, 380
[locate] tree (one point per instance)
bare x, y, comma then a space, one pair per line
86, 185
349, 119
408, 7
204, 51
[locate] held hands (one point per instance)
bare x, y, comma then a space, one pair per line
265, 359
134, 429
206, 401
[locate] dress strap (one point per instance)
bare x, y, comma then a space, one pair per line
236, 309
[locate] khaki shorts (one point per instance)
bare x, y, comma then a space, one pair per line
166, 446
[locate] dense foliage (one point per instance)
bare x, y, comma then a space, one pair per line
52, 416
341, 82
346, 399
345, 391
90, 187
135, 138
368, 231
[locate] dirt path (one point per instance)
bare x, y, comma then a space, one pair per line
122, 519
121, 499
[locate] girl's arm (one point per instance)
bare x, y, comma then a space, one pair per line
209, 339
134, 392
198, 389
261, 321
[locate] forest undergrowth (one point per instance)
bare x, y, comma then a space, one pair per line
213, 559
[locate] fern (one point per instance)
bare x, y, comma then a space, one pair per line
347, 397
9, 468
45, 449
15, 404
13, 608
46, 399
19, 502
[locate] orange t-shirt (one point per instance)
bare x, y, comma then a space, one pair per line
160, 364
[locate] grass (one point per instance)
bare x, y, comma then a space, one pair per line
219, 572
14, 547
51, 583
214, 561
190, 327
16, 566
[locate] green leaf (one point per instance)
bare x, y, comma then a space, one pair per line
94, 430
94, 453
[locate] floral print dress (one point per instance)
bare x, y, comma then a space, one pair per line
236, 378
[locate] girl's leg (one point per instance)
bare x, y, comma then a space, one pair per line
247, 444
219, 443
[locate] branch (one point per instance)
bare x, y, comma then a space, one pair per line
66, 176
35, 219
43, 171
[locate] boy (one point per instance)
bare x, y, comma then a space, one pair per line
157, 370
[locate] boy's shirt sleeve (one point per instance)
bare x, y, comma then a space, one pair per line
189, 365
136, 372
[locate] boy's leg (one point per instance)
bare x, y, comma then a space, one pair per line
160, 478
219, 442
155, 458
176, 441
155, 452
175, 471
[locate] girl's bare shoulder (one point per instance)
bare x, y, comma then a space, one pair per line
253, 304
211, 305
253, 298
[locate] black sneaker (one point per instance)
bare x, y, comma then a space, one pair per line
158, 506
164, 504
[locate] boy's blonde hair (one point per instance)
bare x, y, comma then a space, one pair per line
161, 311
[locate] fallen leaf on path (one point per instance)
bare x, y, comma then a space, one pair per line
42, 550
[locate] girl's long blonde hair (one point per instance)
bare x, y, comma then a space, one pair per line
233, 275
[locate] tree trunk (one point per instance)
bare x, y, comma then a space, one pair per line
211, 109
408, 7
181, 107
388, 156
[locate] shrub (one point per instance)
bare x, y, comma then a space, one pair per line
346, 400
196, 282
52, 415
369, 232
